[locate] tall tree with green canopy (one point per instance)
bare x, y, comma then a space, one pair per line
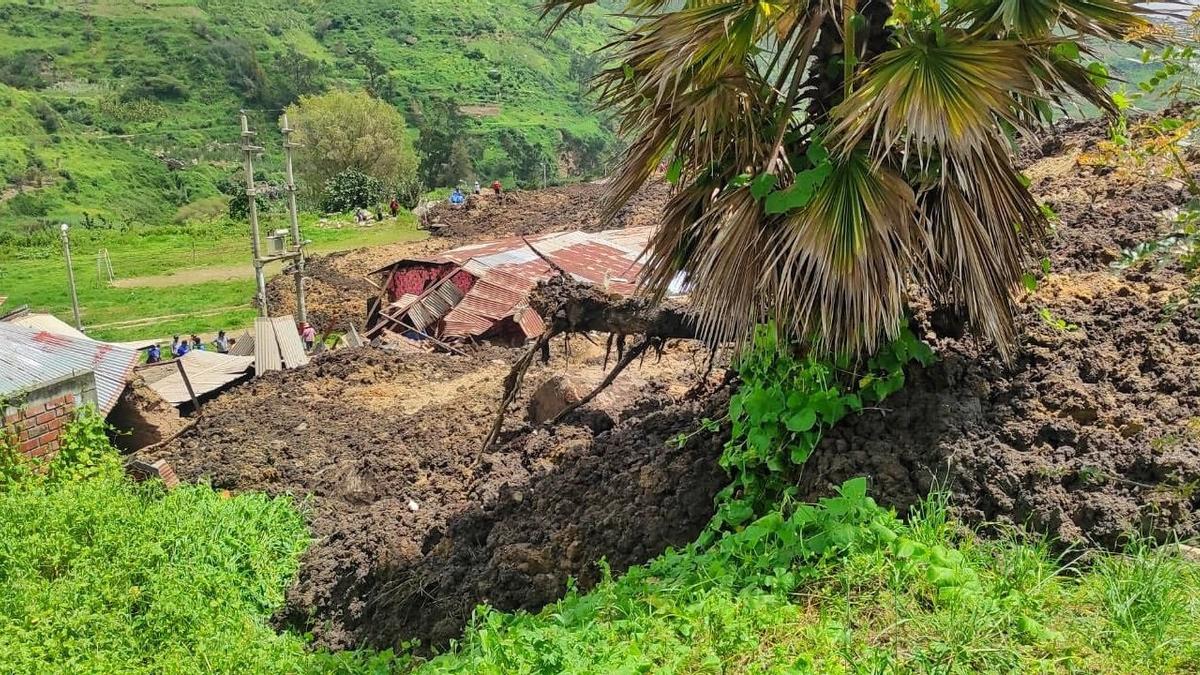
827, 153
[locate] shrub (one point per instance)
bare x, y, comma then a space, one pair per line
24, 70
351, 189
103, 575
209, 208
161, 87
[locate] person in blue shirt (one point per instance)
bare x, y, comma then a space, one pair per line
181, 347
457, 197
153, 354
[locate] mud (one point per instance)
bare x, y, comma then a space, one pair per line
568, 207
1093, 432
413, 526
1090, 433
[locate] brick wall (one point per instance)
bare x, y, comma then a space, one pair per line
35, 418
36, 426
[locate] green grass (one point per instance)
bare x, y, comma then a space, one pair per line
33, 272
98, 574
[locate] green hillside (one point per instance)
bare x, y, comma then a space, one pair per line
123, 112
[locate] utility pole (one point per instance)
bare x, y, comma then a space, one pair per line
71, 277
248, 150
298, 245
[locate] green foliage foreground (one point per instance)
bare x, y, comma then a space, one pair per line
98, 574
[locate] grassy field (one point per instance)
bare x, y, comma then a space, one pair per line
169, 279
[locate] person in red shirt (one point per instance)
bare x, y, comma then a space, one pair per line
394, 206
497, 188
308, 334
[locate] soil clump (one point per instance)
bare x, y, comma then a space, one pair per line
1093, 431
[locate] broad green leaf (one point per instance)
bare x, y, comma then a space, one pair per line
802, 420
762, 185
1029, 282
855, 488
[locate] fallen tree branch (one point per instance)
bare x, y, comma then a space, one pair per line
570, 306
512, 385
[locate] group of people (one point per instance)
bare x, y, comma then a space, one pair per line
364, 216
220, 344
179, 347
457, 198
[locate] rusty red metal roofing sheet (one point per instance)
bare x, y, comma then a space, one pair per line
530, 322
29, 357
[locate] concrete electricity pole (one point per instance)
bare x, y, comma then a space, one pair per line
248, 150
298, 250
71, 277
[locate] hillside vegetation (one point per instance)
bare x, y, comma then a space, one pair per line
121, 112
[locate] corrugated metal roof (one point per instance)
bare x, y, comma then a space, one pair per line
508, 269
30, 357
434, 303
207, 372
266, 349
243, 346
47, 322
291, 347
530, 321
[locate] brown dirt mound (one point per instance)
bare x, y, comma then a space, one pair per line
568, 207
412, 526
1093, 432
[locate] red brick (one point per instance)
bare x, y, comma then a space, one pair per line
48, 437
44, 417
34, 430
54, 424
29, 445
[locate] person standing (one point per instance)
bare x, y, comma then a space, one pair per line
308, 334
497, 188
222, 343
478, 190
394, 207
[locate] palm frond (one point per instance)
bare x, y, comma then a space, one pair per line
982, 224
937, 95
839, 266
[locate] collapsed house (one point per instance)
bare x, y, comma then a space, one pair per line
481, 291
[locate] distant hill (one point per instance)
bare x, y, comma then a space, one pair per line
126, 111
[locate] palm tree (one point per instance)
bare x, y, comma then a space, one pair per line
829, 153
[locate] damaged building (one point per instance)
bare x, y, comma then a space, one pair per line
481, 291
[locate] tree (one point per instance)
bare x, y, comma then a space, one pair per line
827, 154
350, 130
442, 142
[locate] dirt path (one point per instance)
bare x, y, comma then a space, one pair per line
188, 276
